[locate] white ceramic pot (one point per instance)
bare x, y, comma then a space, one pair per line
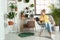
56, 28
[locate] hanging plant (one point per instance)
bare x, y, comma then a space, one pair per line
32, 5
27, 1
19, 0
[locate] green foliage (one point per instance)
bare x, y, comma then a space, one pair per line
19, 0
11, 15
27, 1
15, 6
12, 6
32, 5
55, 13
22, 12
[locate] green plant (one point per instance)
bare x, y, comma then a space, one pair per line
27, 1
32, 5
55, 13
12, 6
21, 12
19, 0
11, 15
16, 8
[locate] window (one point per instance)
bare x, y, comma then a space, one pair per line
43, 4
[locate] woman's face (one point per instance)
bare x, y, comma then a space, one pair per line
43, 13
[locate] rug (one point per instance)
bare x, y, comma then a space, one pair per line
25, 34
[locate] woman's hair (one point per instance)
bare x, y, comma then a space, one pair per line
43, 11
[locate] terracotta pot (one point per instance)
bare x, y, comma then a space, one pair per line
10, 22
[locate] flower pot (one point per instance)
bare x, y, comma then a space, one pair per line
10, 22
56, 28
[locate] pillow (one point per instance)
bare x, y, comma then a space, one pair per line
37, 19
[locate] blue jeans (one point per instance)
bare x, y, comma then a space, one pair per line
48, 26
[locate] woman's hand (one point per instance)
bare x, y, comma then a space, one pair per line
41, 19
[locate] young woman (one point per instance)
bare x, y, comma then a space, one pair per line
45, 19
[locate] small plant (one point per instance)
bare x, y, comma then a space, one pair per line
12, 6
19, 0
16, 8
11, 15
32, 5
21, 12
27, 1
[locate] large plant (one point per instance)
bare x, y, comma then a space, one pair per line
55, 13
11, 15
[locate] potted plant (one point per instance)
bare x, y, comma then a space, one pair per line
16, 8
32, 5
22, 14
19, 0
27, 1
56, 15
11, 15
12, 6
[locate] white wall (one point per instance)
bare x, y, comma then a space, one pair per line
22, 5
2, 11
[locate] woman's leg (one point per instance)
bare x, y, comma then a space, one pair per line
49, 28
